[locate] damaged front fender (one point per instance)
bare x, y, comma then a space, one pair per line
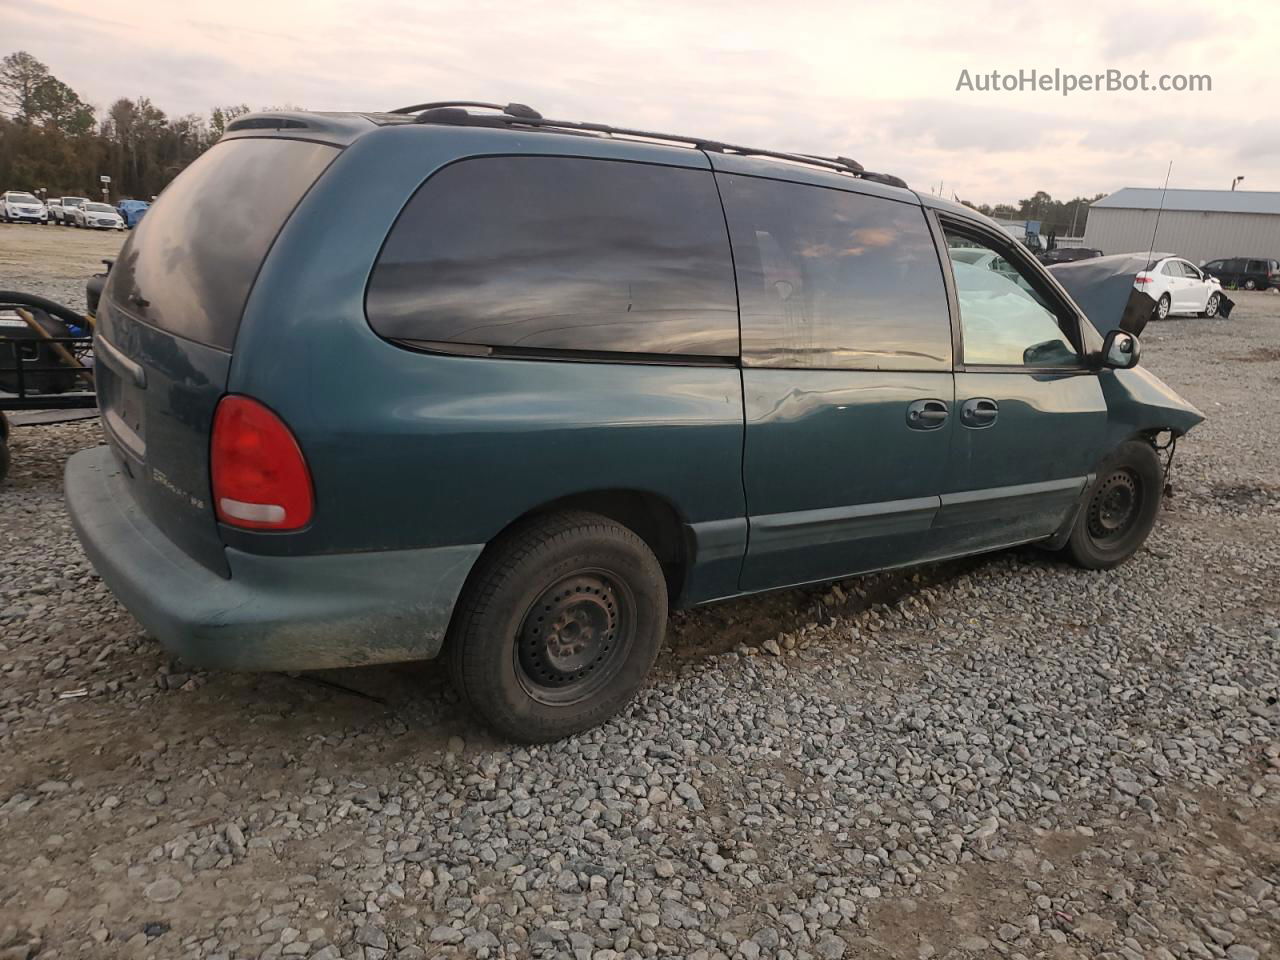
1140, 402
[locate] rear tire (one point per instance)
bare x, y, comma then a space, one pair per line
1163, 306
1120, 507
1251, 284
558, 626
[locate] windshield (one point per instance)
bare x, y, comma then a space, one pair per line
73, 201
971, 256
22, 198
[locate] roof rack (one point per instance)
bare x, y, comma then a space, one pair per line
510, 109
519, 114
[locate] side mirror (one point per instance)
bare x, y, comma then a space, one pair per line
1120, 350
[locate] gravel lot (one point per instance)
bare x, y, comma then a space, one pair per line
996, 756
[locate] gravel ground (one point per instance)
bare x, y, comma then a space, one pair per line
1003, 755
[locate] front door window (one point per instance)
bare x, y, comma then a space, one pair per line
1004, 319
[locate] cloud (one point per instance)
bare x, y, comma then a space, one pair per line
1160, 30
828, 77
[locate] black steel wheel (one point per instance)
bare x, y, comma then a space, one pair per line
574, 637
1114, 506
1120, 507
558, 626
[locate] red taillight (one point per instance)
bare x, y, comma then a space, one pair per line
260, 479
1142, 279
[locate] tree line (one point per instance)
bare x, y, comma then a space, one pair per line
1058, 216
50, 138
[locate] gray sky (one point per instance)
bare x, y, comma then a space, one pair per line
874, 82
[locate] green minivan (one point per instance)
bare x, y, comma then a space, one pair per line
462, 379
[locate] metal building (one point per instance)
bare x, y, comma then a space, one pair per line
1199, 225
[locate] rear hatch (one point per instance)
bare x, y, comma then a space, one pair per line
169, 316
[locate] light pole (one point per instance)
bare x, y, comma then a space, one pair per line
1236, 180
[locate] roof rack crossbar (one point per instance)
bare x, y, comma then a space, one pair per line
418, 107
511, 109
512, 115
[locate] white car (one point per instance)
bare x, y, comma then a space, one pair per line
20, 206
99, 216
1178, 286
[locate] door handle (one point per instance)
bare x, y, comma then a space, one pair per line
979, 412
926, 414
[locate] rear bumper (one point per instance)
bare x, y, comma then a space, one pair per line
274, 613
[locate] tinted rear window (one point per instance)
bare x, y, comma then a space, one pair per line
189, 264
834, 279
560, 253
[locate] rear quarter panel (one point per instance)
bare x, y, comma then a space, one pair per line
409, 449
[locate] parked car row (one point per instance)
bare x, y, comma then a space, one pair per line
1244, 273
1178, 286
19, 206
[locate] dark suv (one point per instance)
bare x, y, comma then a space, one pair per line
1245, 272
378, 386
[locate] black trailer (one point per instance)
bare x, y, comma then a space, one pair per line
46, 358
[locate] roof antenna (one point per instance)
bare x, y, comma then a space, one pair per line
1158, 212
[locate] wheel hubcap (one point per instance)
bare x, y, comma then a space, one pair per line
1213, 305
574, 637
1164, 308
1114, 506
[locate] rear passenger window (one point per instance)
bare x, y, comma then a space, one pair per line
536, 253
833, 279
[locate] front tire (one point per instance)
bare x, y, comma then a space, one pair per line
1120, 507
1211, 308
558, 626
